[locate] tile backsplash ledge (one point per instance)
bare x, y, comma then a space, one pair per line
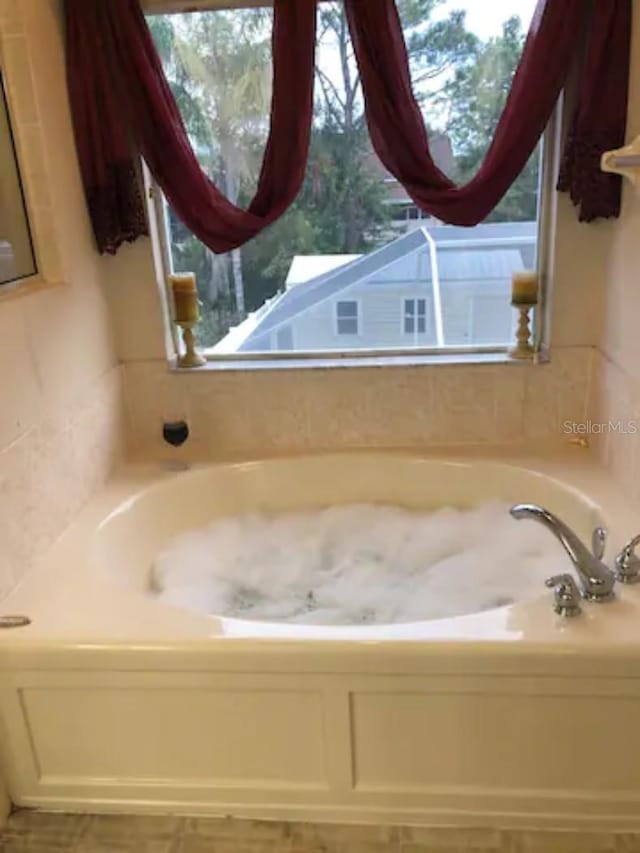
280, 411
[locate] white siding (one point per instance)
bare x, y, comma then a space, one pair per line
381, 319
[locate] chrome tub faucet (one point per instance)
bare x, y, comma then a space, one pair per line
596, 580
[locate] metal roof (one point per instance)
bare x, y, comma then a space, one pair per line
459, 264
485, 231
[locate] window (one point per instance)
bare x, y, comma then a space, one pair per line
415, 316
353, 227
347, 320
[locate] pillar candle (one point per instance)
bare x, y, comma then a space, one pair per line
185, 297
524, 288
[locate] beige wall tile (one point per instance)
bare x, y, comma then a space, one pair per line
615, 408
557, 393
464, 403
615, 392
579, 277
61, 418
49, 473
620, 339
296, 410
11, 21
20, 382
615, 395
135, 304
152, 395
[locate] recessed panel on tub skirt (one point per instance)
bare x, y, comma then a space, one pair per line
420, 741
227, 737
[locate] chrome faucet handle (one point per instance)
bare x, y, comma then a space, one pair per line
627, 563
596, 579
598, 542
566, 595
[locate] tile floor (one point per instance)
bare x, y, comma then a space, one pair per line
33, 832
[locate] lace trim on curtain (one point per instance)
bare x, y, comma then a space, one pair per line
595, 193
117, 209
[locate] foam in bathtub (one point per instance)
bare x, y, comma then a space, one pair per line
360, 564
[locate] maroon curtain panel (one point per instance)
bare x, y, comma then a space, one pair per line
123, 106
106, 155
600, 117
398, 131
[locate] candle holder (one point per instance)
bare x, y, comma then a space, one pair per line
523, 348
191, 357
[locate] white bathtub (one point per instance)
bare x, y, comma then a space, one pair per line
112, 701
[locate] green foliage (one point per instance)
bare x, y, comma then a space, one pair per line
434, 46
343, 195
475, 97
219, 68
340, 210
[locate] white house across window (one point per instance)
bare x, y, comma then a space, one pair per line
347, 317
354, 245
415, 316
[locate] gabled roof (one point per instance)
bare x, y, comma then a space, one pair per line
304, 296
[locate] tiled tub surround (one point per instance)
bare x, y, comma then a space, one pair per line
616, 387
615, 411
288, 410
60, 386
49, 471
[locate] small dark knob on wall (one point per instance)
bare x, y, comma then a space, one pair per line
175, 432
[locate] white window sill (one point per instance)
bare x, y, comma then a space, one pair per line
400, 360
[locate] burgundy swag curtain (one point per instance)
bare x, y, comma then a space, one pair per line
123, 107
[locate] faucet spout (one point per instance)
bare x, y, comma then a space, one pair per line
596, 579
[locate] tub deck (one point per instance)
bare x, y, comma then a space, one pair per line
111, 701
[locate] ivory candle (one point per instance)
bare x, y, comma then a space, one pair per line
185, 298
524, 288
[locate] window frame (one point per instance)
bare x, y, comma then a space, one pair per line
550, 152
358, 318
416, 316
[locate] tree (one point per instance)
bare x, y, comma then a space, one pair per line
435, 46
219, 68
474, 98
343, 207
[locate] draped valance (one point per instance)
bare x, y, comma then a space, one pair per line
123, 108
